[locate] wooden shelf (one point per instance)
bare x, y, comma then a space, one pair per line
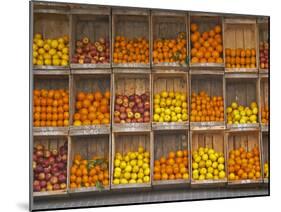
131, 127
89, 66
131, 186
86, 190
50, 131
90, 71
170, 125
207, 65
45, 67
171, 183
242, 127
208, 183
50, 193
90, 130
207, 126
51, 72
244, 182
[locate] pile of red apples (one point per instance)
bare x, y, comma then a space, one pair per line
132, 109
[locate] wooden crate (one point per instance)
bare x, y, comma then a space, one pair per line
205, 22
169, 81
130, 23
263, 26
51, 82
168, 25
213, 83
128, 142
89, 146
50, 143
264, 98
128, 84
165, 142
89, 83
241, 33
265, 155
248, 140
211, 139
51, 21
242, 89
94, 23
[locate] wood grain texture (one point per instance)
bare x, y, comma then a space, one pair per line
240, 36
211, 84
243, 91
128, 84
51, 25
164, 142
51, 82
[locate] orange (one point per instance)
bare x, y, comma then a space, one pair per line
172, 154
217, 29
164, 176
107, 95
172, 177
193, 27
81, 96
162, 160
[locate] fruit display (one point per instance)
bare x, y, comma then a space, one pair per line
170, 50
172, 167
244, 164
206, 47
240, 58
50, 108
89, 173
131, 50
207, 164
265, 170
132, 109
239, 114
132, 167
205, 108
92, 108
264, 115
170, 107
87, 52
52, 52
264, 47
49, 168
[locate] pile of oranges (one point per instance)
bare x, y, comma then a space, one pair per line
205, 108
240, 58
244, 164
92, 108
131, 50
206, 47
50, 108
264, 115
175, 166
170, 50
89, 173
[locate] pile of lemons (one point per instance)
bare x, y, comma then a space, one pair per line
52, 52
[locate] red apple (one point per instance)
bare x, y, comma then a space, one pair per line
128, 110
116, 119
128, 120
140, 120
147, 105
119, 101
146, 119
122, 109
123, 116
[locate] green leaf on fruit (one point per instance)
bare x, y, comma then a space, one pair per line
99, 186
